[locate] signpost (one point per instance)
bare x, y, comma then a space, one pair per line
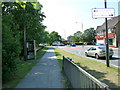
104, 13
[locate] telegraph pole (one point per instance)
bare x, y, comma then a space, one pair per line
25, 47
107, 43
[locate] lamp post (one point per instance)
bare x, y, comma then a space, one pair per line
81, 27
76, 24
107, 43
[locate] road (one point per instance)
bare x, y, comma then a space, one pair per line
79, 50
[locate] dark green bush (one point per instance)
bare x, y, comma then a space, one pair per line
89, 43
79, 43
16, 17
10, 48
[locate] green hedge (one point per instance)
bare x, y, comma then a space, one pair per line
79, 43
11, 48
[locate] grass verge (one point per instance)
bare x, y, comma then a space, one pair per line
23, 68
108, 75
60, 61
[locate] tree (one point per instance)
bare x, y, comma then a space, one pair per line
54, 36
77, 36
69, 38
83, 37
10, 47
46, 37
89, 35
16, 16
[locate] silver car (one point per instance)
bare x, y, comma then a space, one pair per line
98, 51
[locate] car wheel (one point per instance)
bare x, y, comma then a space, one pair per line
96, 56
86, 54
110, 56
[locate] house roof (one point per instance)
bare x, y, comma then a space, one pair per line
111, 23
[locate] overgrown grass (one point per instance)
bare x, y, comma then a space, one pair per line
108, 75
41, 52
23, 68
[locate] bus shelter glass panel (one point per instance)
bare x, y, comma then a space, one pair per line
31, 52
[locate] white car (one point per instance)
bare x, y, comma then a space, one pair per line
42, 45
98, 51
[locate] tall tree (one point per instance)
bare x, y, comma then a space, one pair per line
54, 36
69, 38
89, 35
77, 36
11, 48
16, 16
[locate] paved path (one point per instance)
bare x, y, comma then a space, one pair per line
46, 74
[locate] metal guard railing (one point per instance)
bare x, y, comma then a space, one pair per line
79, 78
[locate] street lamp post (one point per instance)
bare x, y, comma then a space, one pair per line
81, 27
76, 24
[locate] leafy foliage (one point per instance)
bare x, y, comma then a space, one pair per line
15, 17
77, 36
87, 36
11, 47
54, 36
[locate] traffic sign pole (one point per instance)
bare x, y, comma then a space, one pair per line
107, 43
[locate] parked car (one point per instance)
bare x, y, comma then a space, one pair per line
98, 51
100, 44
61, 44
72, 44
42, 45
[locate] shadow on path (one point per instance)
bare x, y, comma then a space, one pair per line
46, 74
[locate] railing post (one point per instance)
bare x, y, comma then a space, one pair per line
63, 63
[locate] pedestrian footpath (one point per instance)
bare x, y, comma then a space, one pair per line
46, 74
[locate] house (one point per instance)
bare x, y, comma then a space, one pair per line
113, 32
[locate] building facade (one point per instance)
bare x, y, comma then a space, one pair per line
113, 31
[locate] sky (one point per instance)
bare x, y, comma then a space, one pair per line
69, 16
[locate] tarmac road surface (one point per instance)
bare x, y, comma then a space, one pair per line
79, 50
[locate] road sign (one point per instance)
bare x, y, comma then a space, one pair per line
103, 12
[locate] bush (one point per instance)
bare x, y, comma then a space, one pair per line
10, 48
89, 43
66, 43
79, 43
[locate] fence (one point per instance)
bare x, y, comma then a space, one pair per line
80, 78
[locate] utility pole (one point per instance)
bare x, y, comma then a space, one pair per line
107, 43
25, 46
